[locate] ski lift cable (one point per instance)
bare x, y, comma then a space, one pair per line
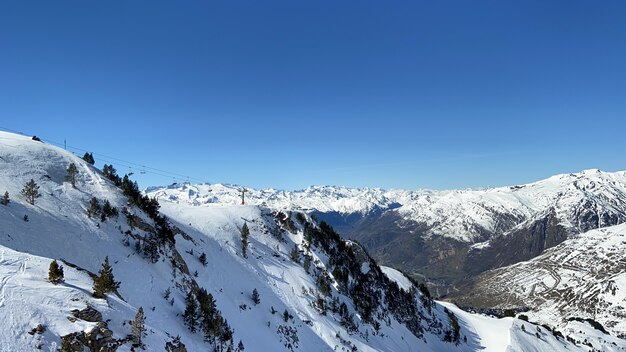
145, 169
120, 162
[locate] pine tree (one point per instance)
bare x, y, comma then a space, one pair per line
72, 172
175, 345
66, 345
190, 316
307, 263
55, 273
5, 199
31, 191
88, 157
110, 173
104, 282
211, 319
295, 254
108, 210
255, 297
203, 259
323, 283
138, 327
94, 208
240, 347
245, 232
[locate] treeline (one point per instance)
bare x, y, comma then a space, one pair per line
150, 206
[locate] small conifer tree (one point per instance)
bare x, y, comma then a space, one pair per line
240, 347
55, 273
66, 345
108, 210
245, 232
104, 282
295, 254
72, 172
31, 191
175, 345
307, 263
88, 157
138, 327
94, 208
255, 297
202, 259
191, 316
5, 199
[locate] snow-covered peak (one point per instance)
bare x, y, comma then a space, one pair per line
462, 214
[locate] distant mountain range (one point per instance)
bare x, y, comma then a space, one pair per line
444, 235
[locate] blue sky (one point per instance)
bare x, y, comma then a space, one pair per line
286, 94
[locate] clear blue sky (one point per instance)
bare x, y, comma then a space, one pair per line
404, 94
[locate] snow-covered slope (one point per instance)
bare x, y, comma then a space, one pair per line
58, 227
583, 277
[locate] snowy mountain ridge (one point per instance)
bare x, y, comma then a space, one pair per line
464, 215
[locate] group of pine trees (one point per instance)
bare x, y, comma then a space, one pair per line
201, 314
103, 283
88, 157
31, 189
165, 233
105, 211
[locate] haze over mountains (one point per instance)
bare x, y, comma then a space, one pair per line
316, 291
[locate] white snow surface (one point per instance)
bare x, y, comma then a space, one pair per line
397, 276
460, 214
59, 228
